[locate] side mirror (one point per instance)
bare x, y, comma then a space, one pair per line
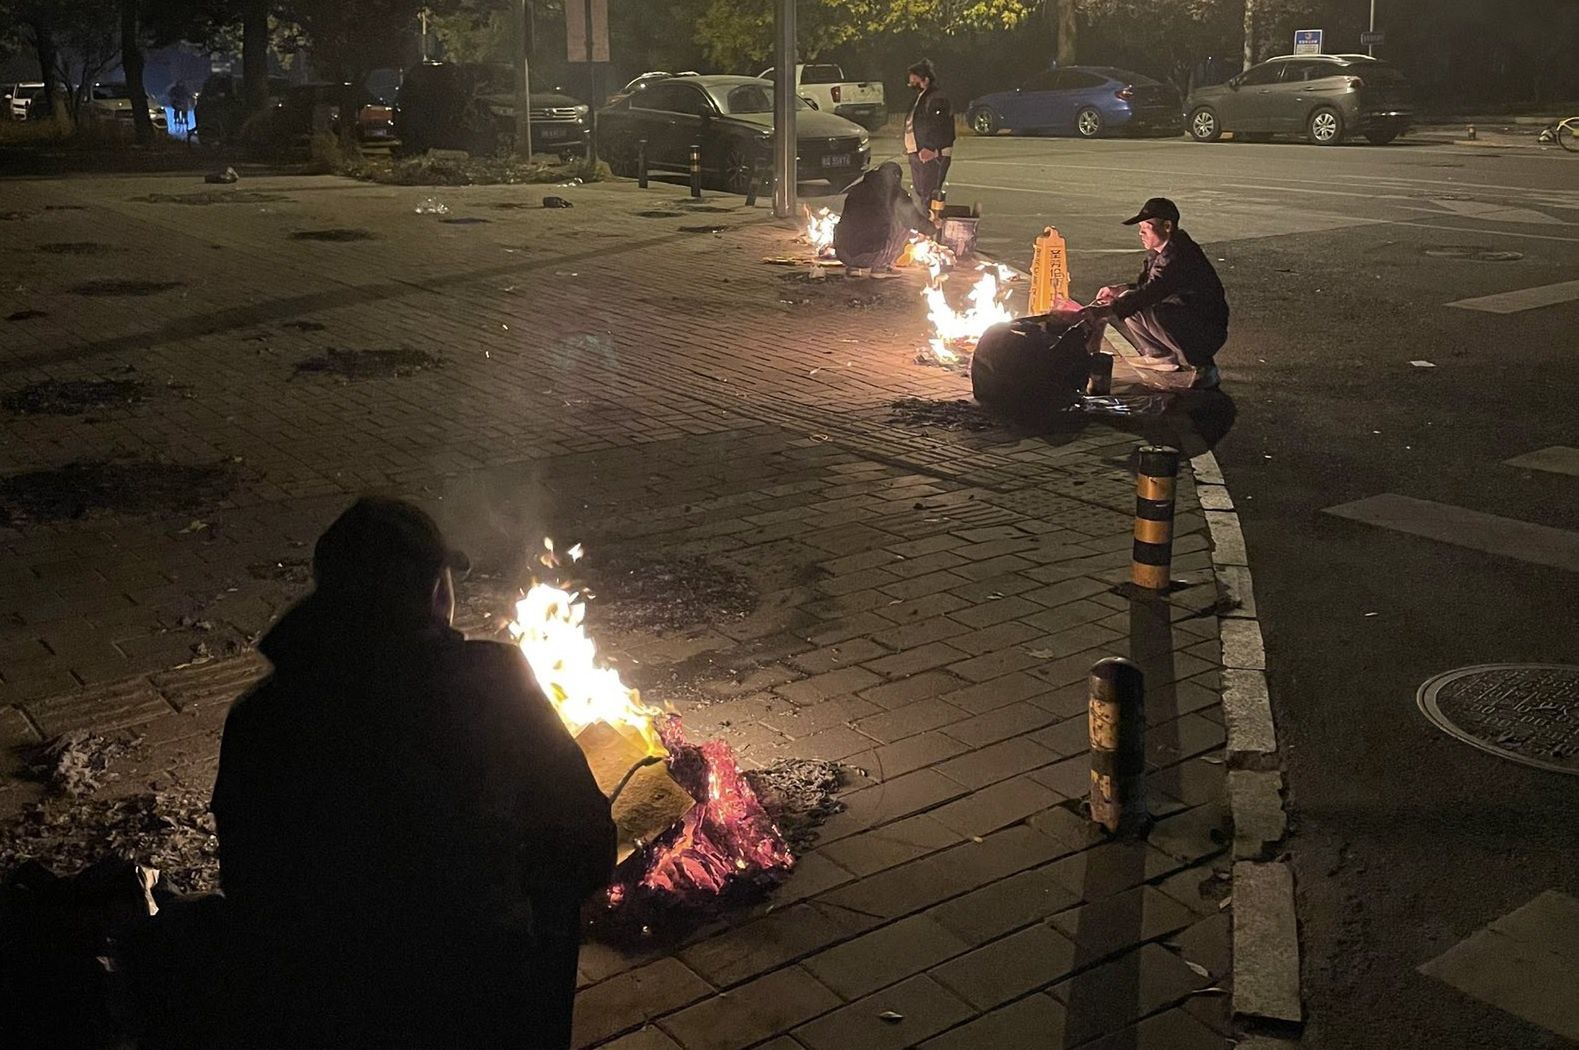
810, 101
1233, 83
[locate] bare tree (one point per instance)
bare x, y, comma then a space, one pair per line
132, 66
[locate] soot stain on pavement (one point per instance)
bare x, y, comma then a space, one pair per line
464, 220
369, 364
660, 215
73, 397
655, 592
79, 490
26, 315
958, 414
121, 287
704, 229
207, 197
335, 236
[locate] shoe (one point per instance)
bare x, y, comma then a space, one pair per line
1206, 378
887, 273
855, 271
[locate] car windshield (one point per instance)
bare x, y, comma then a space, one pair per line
740, 99
111, 91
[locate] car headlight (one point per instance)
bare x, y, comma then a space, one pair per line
866, 142
582, 111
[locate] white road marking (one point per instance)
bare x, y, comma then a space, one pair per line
1523, 299
1506, 537
1483, 231
1559, 459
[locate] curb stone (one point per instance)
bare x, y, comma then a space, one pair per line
1265, 925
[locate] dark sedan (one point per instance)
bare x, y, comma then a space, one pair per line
731, 119
1080, 100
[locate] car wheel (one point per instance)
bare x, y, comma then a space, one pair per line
984, 122
1088, 122
1204, 125
1381, 136
738, 170
1325, 127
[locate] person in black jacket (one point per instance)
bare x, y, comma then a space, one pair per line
1176, 314
407, 831
878, 219
929, 135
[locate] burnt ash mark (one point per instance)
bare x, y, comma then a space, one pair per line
73, 397
704, 229
958, 414
92, 488
26, 315
334, 236
305, 326
653, 592
369, 364
65, 207
207, 197
123, 287
660, 215
464, 220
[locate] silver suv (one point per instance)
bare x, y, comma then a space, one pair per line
1325, 98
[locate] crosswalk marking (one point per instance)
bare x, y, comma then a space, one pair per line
1523, 299
1537, 544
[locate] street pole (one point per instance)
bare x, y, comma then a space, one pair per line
1370, 49
523, 80
784, 144
423, 15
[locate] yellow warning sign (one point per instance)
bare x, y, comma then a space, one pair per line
1049, 272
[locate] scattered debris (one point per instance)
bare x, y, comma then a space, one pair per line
890, 1016
213, 197
111, 287
370, 364
660, 215
77, 764
26, 315
465, 220
80, 489
557, 202
73, 397
1198, 969
305, 326
958, 414
1423, 364
703, 229
286, 570
433, 207
223, 178
655, 592
800, 794
335, 235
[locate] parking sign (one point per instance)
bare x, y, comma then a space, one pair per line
1307, 41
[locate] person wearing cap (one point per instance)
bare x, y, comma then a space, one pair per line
406, 829
1175, 314
929, 135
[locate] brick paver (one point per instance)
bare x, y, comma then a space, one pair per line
929, 599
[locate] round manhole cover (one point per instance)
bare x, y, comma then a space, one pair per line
1528, 713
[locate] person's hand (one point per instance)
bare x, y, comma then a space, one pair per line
1111, 292
927, 155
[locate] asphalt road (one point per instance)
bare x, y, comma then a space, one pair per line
1340, 263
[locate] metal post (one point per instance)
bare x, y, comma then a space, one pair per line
1118, 744
423, 15
696, 172
751, 185
784, 143
641, 163
1370, 49
523, 80
1156, 470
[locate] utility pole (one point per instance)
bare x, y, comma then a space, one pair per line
423, 16
1250, 33
523, 79
784, 143
1370, 49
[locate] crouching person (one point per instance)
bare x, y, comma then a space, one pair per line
877, 221
1176, 314
407, 832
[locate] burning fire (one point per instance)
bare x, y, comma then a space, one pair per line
955, 332
819, 231
694, 826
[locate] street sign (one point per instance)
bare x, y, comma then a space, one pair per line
1374, 38
587, 30
1307, 41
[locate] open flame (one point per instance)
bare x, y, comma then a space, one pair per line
819, 231
718, 836
955, 332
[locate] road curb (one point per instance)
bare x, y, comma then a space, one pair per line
1266, 967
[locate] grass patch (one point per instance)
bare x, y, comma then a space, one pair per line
426, 170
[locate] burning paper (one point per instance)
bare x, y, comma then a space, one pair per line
955, 331
819, 231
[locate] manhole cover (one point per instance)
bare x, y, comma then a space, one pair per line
1528, 713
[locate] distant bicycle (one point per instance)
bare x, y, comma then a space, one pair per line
1565, 133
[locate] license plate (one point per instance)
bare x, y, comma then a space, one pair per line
553, 133
836, 160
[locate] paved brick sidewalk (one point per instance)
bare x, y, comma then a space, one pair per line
929, 599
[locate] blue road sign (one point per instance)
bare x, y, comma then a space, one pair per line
1307, 41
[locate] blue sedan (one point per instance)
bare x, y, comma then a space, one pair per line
1081, 100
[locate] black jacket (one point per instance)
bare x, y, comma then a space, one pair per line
1180, 288
406, 835
876, 208
932, 120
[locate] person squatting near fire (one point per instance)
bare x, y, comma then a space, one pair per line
407, 832
929, 135
877, 221
1175, 314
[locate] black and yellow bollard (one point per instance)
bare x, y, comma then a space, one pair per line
1156, 472
696, 172
641, 163
1118, 745
752, 182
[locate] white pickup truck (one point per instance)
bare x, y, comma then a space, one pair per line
825, 85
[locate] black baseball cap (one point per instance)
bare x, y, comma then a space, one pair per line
378, 539
1156, 208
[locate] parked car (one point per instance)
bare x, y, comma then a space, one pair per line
643, 80
827, 88
1082, 100
19, 96
471, 107
220, 107
731, 119
111, 103
1325, 98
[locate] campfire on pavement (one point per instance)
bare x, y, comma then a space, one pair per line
819, 231
692, 830
955, 331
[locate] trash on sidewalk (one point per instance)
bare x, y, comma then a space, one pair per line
1123, 405
222, 178
78, 764
890, 1016
557, 202
1423, 364
433, 207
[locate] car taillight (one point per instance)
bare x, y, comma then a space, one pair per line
838, 93
1125, 93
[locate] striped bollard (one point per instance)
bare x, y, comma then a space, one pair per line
641, 163
1156, 472
696, 172
1118, 744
